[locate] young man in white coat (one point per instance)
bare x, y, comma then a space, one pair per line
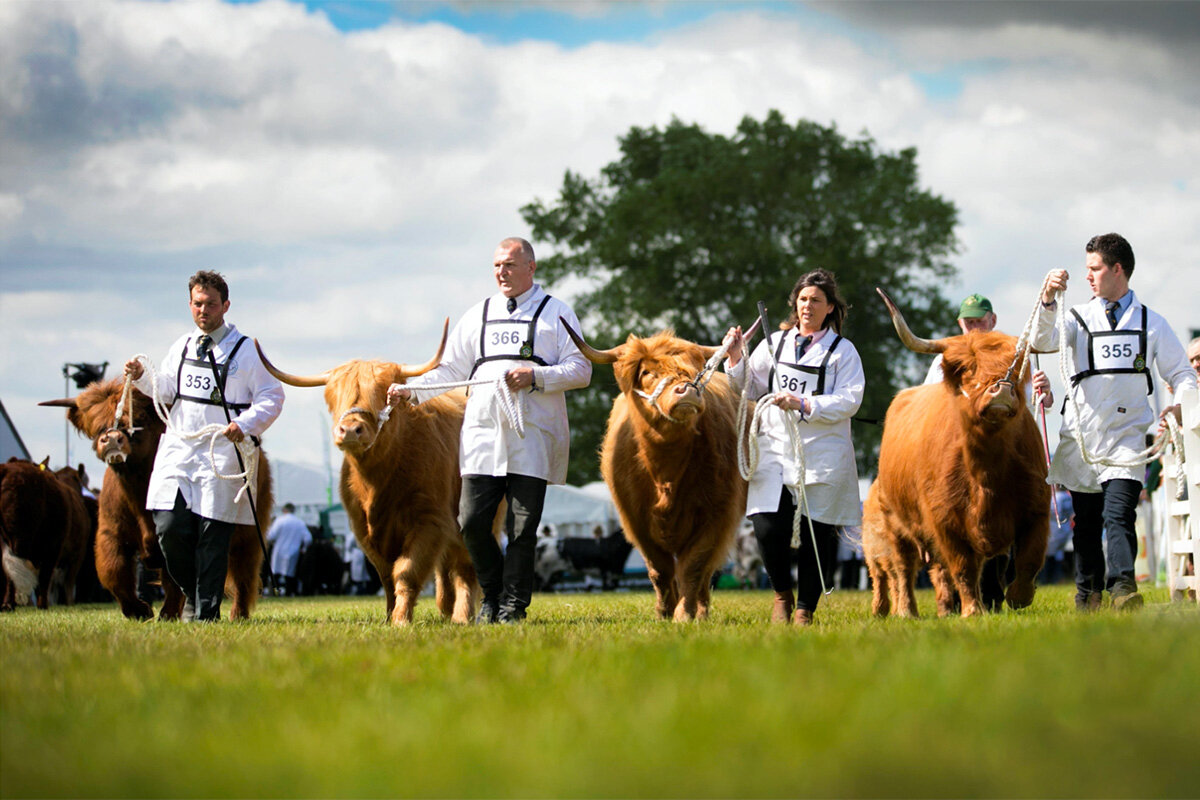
1111, 342
515, 335
194, 510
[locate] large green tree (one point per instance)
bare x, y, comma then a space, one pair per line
689, 229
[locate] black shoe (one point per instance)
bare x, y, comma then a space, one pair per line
1130, 601
489, 612
510, 616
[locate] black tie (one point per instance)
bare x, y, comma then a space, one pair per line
202, 345
1110, 311
512, 304
801, 346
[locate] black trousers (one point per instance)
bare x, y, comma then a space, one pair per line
773, 529
506, 577
1113, 510
196, 550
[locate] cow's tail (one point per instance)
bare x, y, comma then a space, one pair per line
21, 573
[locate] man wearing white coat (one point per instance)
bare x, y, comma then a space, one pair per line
1111, 343
290, 536
515, 335
194, 510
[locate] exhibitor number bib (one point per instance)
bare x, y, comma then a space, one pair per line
1118, 350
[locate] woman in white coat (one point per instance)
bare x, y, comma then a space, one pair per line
819, 383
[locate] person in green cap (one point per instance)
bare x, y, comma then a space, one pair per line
975, 314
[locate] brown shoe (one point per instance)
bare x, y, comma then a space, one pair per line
782, 610
1089, 604
1130, 601
803, 617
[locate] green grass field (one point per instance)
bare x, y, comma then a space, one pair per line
593, 698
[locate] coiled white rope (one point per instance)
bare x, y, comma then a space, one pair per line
1170, 432
213, 432
748, 453
511, 403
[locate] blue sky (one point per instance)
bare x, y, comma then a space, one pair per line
567, 24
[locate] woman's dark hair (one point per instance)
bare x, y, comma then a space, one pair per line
822, 279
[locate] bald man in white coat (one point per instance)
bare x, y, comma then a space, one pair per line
516, 335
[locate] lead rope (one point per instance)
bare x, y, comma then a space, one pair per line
213, 431
747, 455
123, 403
1170, 433
511, 403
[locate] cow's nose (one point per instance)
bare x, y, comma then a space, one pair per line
349, 431
1001, 392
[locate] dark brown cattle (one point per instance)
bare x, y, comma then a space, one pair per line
76, 478
125, 531
43, 533
962, 478
672, 465
400, 482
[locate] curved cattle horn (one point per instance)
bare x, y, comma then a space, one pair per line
65, 402
592, 354
709, 352
412, 372
290, 380
911, 340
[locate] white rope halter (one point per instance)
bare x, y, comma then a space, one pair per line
700, 382
383, 416
213, 432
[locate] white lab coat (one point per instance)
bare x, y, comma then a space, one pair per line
290, 535
831, 475
183, 464
489, 445
1115, 411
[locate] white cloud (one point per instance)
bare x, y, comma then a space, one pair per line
352, 186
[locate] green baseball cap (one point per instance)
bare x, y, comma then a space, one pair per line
974, 307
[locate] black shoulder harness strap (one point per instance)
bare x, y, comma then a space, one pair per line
819, 370
530, 339
1140, 366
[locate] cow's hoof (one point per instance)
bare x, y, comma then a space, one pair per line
1020, 596
141, 612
